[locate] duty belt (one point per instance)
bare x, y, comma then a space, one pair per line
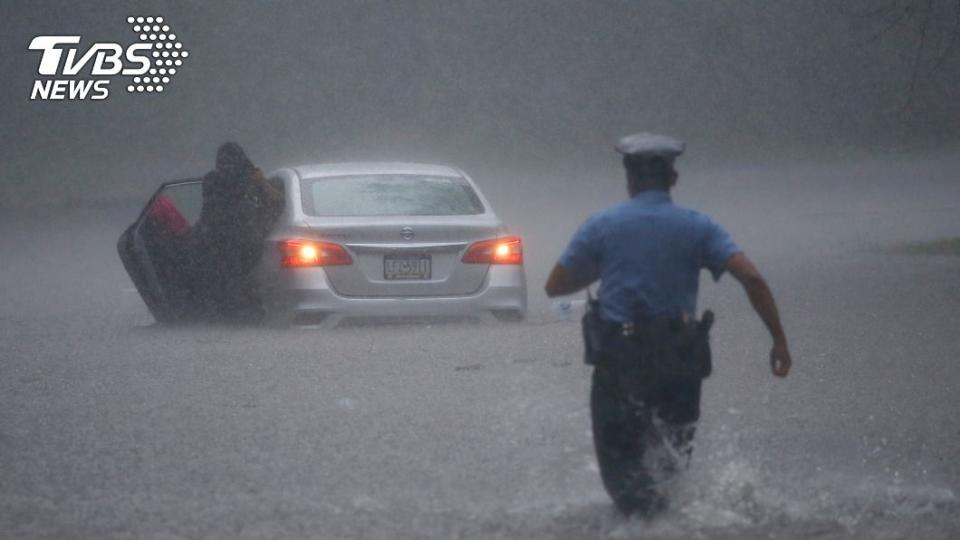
634, 328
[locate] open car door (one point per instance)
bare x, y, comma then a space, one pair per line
158, 250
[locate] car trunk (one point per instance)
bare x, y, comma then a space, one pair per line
406, 255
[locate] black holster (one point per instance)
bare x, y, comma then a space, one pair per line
593, 328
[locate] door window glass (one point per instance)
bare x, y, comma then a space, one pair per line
176, 208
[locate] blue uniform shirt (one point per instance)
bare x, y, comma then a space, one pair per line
648, 253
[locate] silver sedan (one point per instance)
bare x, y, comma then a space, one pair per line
365, 240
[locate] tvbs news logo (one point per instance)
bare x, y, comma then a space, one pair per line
71, 71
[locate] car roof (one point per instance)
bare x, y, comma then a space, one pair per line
315, 170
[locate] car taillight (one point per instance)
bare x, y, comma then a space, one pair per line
505, 250
307, 253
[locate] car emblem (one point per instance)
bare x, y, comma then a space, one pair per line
406, 233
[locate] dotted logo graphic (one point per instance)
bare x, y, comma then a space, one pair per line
167, 56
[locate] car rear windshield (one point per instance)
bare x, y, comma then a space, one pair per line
389, 195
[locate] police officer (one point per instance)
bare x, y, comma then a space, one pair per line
648, 252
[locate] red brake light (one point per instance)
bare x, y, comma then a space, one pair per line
505, 250
307, 253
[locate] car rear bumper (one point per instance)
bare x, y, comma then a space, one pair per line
307, 292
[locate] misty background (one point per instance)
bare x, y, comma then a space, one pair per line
495, 87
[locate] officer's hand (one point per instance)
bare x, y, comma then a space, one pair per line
780, 359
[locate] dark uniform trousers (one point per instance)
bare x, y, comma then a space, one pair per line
643, 423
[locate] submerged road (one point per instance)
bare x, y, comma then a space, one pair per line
111, 427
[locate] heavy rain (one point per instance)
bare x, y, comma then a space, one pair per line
821, 134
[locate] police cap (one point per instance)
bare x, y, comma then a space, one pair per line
648, 145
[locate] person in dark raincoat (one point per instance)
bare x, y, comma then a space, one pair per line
239, 208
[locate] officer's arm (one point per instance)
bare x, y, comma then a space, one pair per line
578, 266
763, 303
560, 283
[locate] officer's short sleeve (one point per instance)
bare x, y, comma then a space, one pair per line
718, 248
581, 259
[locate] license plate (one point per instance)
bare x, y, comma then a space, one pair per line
406, 267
